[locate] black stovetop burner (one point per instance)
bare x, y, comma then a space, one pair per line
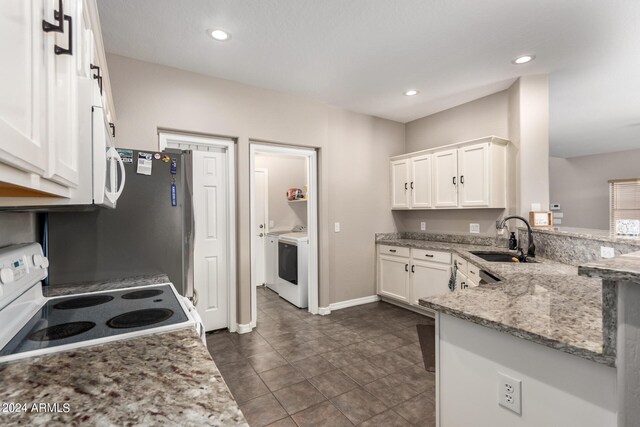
137, 318
143, 293
59, 332
83, 302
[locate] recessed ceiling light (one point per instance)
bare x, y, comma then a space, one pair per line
523, 59
220, 35
411, 92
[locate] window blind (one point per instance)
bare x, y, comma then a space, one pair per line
624, 195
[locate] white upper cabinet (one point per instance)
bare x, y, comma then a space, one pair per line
400, 184
445, 179
45, 116
23, 132
466, 175
473, 169
420, 183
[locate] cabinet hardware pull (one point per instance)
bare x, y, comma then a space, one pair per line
406, 267
97, 76
48, 27
428, 255
413, 268
412, 185
461, 179
392, 250
472, 272
405, 185
69, 50
113, 129
454, 180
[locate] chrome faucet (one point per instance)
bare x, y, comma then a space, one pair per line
531, 250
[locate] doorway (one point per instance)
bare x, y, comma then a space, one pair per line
211, 264
284, 223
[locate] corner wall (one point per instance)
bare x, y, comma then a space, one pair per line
353, 148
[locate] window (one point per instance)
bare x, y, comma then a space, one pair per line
624, 195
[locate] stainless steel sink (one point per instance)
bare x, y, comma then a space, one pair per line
499, 257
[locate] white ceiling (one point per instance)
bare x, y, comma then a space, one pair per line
362, 54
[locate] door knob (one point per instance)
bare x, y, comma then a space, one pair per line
261, 234
261, 225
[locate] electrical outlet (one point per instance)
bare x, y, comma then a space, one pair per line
510, 393
607, 252
272, 223
336, 227
423, 226
474, 228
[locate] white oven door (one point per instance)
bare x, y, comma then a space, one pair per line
108, 167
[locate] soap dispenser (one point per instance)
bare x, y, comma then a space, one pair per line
513, 242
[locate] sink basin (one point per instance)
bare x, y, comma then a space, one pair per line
498, 257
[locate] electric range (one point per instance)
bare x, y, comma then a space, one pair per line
36, 325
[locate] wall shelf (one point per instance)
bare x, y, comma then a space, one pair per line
297, 201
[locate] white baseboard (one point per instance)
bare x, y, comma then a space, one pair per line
244, 329
354, 302
420, 310
323, 311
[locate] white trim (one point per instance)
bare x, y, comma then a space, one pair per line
323, 311
169, 139
437, 327
244, 329
354, 302
265, 171
312, 215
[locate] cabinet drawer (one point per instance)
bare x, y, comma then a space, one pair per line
461, 263
395, 250
473, 272
433, 256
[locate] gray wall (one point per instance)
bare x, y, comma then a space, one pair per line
353, 154
284, 172
17, 228
475, 119
580, 185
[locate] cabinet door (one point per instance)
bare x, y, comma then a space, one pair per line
462, 281
393, 277
400, 184
474, 175
23, 142
429, 278
445, 179
420, 183
63, 74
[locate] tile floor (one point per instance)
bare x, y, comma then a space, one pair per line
356, 366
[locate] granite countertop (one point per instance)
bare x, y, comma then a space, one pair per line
545, 302
156, 379
103, 285
624, 267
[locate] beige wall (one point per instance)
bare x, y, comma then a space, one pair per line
475, 119
580, 185
149, 96
17, 228
284, 172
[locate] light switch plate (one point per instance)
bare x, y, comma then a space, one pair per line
554, 207
423, 226
607, 252
336, 227
272, 223
474, 228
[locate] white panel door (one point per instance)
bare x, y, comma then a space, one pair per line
400, 184
445, 179
473, 167
421, 181
63, 100
260, 233
429, 278
211, 238
393, 277
23, 85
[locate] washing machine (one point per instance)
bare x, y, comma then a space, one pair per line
271, 259
293, 269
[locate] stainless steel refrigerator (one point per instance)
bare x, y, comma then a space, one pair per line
145, 234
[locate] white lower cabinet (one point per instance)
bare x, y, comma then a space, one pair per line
393, 277
428, 279
406, 276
